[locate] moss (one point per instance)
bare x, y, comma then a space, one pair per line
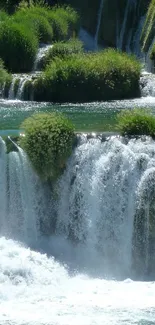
89, 77
48, 143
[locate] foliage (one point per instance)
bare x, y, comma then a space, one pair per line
37, 23
148, 29
3, 16
62, 49
63, 21
152, 53
83, 77
18, 46
72, 18
48, 143
4, 76
136, 122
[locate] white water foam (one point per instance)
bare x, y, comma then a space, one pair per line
41, 53
37, 290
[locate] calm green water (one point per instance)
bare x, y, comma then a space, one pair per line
86, 117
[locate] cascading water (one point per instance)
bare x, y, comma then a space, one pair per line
97, 202
40, 55
18, 92
123, 27
88, 223
11, 94
147, 82
98, 23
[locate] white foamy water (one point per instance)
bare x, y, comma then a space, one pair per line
40, 55
35, 289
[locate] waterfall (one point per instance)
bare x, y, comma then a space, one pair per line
22, 79
11, 94
98, 23
123, 28
20, 92
40, 55
147, 83
23, 201
136, 39
93, 208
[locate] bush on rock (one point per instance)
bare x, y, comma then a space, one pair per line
107, 75
136, 122
48, 143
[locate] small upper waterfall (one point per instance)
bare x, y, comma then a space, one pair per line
94, 209
20, 81
40, 55
98, 23
123, 27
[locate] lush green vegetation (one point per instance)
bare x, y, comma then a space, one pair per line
4, 76
62, 49
149, 26
38, 24
48, 142
152, 53
21, 33
136, 122
18, 46
99, 76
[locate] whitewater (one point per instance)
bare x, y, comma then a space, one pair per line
78, 268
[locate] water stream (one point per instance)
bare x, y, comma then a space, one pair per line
98, 23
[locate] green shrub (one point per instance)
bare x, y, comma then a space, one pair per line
100, 76
65, 21
18, 46
4, 76
60, 25
136, 122
62, 49
3, 16
152, 53
48, 143
71, 17
149, 26
38, 23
